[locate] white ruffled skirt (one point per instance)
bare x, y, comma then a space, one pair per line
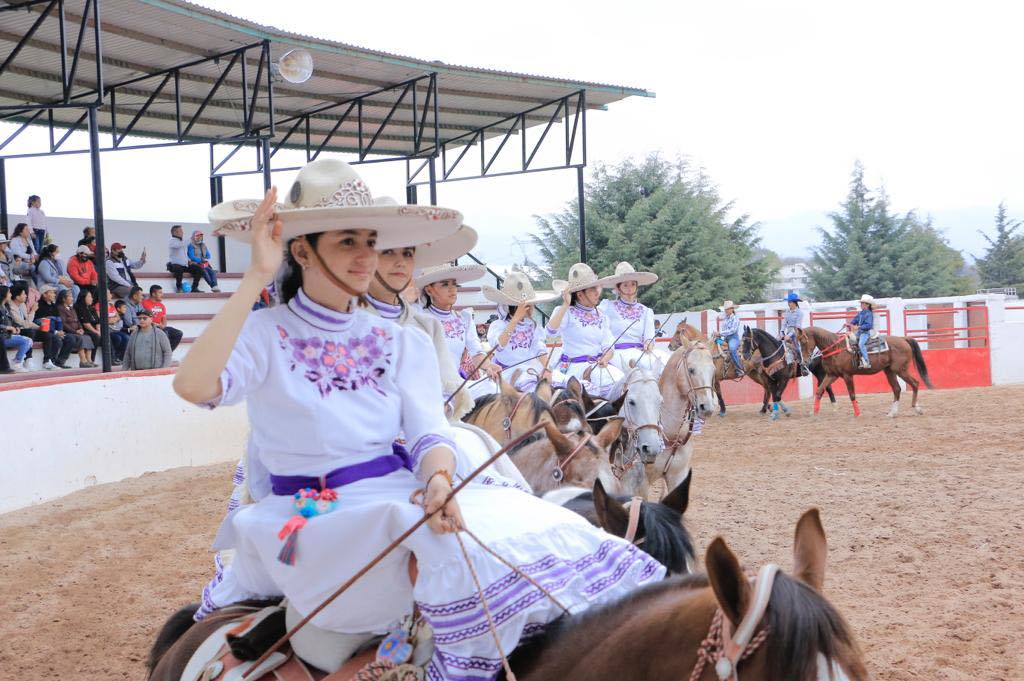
602, 379
649, 360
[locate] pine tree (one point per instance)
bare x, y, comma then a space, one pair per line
1003, 263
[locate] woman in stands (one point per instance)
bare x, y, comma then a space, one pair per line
89, 318
586, 334
317, 366
72, 326
631, 321
50, 270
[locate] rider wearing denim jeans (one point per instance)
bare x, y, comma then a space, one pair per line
730, 333
863, 322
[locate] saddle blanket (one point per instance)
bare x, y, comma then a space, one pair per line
876, 343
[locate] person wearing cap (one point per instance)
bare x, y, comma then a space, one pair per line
199, 256
394, 274
178, 262
328, 387
516, 335
792, 322
631, 321
729, 332
863, 323
148, 347
585, 332
83, 272
120, 277
439, 291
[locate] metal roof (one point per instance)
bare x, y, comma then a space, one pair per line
141, 37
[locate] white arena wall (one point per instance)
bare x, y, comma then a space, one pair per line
70, 435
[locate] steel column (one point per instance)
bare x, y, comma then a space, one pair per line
265, 152
216, 196
3, 198
97, 217
583, 214
433, 182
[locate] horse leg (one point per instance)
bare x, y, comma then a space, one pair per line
775, 411
721, 400
848, 379
822, 387
896, 390
764, 401
914, 385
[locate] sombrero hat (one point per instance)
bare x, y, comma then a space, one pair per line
580, 277
727, 304
516, 289
329, 195
624, 272
443, 250
867, 299
460, 273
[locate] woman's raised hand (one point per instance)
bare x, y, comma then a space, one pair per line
267, 249
566, 296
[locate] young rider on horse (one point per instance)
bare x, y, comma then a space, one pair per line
517, 338
630, 319
792, 322
328, 388
730, 333
586, 334
863, 322
439, 289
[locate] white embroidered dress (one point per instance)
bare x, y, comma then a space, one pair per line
326, 390
586, 335
526, 345
460, 333
630, 346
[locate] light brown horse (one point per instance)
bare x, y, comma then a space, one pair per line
838, 362
551, 459
724, 368
510, 413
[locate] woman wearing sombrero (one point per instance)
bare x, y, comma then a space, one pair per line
439, 291
328, 387
585, 332
631, 321
517, 337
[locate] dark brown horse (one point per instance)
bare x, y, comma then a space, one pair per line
839, 362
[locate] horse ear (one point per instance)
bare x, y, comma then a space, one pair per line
563, 445
810, 550
575, 387
515, 376
732, 590
543, 390
617, 404
610, 433
679, 498
611, 513
508, 389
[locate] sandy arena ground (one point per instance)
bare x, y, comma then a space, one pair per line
923, 516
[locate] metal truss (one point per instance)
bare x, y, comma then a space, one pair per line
571, 109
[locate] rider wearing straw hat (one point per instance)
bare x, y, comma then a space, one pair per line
439, 289
516, 335
863, 323
729, 331
328, 388
585, 331
631, 319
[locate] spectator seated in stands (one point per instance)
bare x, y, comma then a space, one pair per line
71, 326
119, 333
179, 263
21, 244
131, 310
10, 336
149, 347
120, 277
154, 304
6, 261
50, 270
23, 315
199, 254
37, 219
47, 317
89, 318
90, 243
83, 272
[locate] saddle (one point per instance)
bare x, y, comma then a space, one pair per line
876, 343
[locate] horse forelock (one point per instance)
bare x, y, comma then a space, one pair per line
666, 537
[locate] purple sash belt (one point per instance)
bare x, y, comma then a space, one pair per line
580, 359
286, 485
629, 346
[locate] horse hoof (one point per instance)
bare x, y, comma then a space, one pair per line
775, 417
721, 414
919, 410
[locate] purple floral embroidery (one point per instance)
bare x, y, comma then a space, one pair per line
522, 336
586, 316
627, 311
454, 327
357, 362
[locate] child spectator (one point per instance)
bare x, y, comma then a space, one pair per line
50, 270
118, 331
71, 326
199, 254
37, 219
178, 262
148, 348
88, 237
154, 304
47, 317
11, 335
120, 277
83, 272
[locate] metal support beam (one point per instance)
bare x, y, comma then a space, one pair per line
3, 198
433, 182
216, 196
265, 152
583, 214
97, 217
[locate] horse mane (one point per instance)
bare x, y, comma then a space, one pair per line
566, 399
173, 629
666, 537
763, 335
819, 334
537, 405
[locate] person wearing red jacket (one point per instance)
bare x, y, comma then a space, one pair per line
82, 270
155, 305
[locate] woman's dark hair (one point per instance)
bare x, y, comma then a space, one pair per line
32, 199
3, 294
511, 311
18, 229
292, 280
19, 287
572, 297
80, 302
62, 294
49, 251
118, 304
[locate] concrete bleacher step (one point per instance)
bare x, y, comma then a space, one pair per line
227, 281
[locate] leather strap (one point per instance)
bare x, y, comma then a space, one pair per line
634, 519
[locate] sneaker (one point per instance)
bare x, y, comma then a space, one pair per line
87, 365
19, 367
61, 365
216, 289
49, 365
178, 288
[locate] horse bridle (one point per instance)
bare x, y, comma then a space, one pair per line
506, 423
559, 471
678, 440
632, 438
634, 521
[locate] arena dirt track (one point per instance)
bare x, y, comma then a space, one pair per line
923, 516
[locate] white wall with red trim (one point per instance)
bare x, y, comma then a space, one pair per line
63, 435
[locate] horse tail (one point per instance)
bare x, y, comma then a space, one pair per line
915, 348
173, 629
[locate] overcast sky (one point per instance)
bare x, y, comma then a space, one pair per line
775, 100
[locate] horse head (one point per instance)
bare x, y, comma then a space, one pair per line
641, 409
569, 459
689, 379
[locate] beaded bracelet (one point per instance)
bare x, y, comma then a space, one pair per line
442, 472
